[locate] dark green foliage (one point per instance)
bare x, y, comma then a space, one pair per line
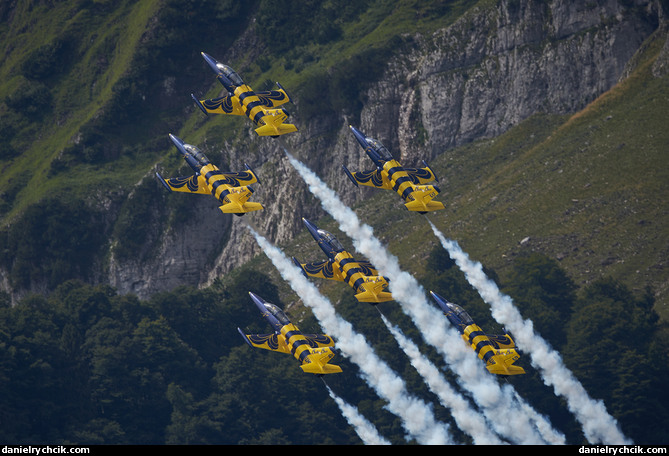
85, 365
612, 348
544, 294
48, 61
89, 366
31, 99
287, 24
341, 88
135, 228
53, 241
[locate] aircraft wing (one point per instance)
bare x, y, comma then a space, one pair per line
272, 98
501, 341
191, 184
319, 340
239, 179
367, 268
322, 270
270, 342
222, 105
421, 175
372, 178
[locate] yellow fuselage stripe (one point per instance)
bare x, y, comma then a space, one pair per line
477, 339
350, 270
250, 103
296, 342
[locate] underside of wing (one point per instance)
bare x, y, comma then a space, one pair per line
322, 270
191, 184
270, 342
239, 179
372, 178
222, 105
367, 268
319, 340
421, 175
501, 341
272, 98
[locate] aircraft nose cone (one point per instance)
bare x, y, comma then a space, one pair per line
177, 141
359, 136
313, 229
260, 302
211, 61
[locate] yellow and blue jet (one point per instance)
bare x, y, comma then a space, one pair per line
389, 174
231, 189
241, 100
341, 266
313, 351
498, 352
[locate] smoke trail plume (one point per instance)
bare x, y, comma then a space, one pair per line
365, 430
498, 405
417, 416
598, 425
468, 420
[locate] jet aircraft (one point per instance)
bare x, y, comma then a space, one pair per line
231, 189
242, 100
498, 352
313, 351
389, 174
341, 266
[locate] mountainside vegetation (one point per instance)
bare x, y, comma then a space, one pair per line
567, 213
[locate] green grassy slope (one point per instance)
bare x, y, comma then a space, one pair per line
61, 66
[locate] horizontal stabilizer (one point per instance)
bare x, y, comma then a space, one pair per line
367, 296
423, 200
237, 208
504, 363
373, 290
274, 124
317, 362
320, 369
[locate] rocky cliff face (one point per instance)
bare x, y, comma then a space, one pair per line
487, 72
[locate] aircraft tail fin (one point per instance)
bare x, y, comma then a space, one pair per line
422, 199
504, 363
274, 124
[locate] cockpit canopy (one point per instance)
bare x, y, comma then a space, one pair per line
461, 314
277, 313
330, 240
230, 74
197, 154
380, 149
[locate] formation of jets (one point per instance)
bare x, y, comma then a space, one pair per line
233, 191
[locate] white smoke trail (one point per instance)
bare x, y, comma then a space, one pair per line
598, 425
499, 407
468, 420
417, 416
541, 422
365, 430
